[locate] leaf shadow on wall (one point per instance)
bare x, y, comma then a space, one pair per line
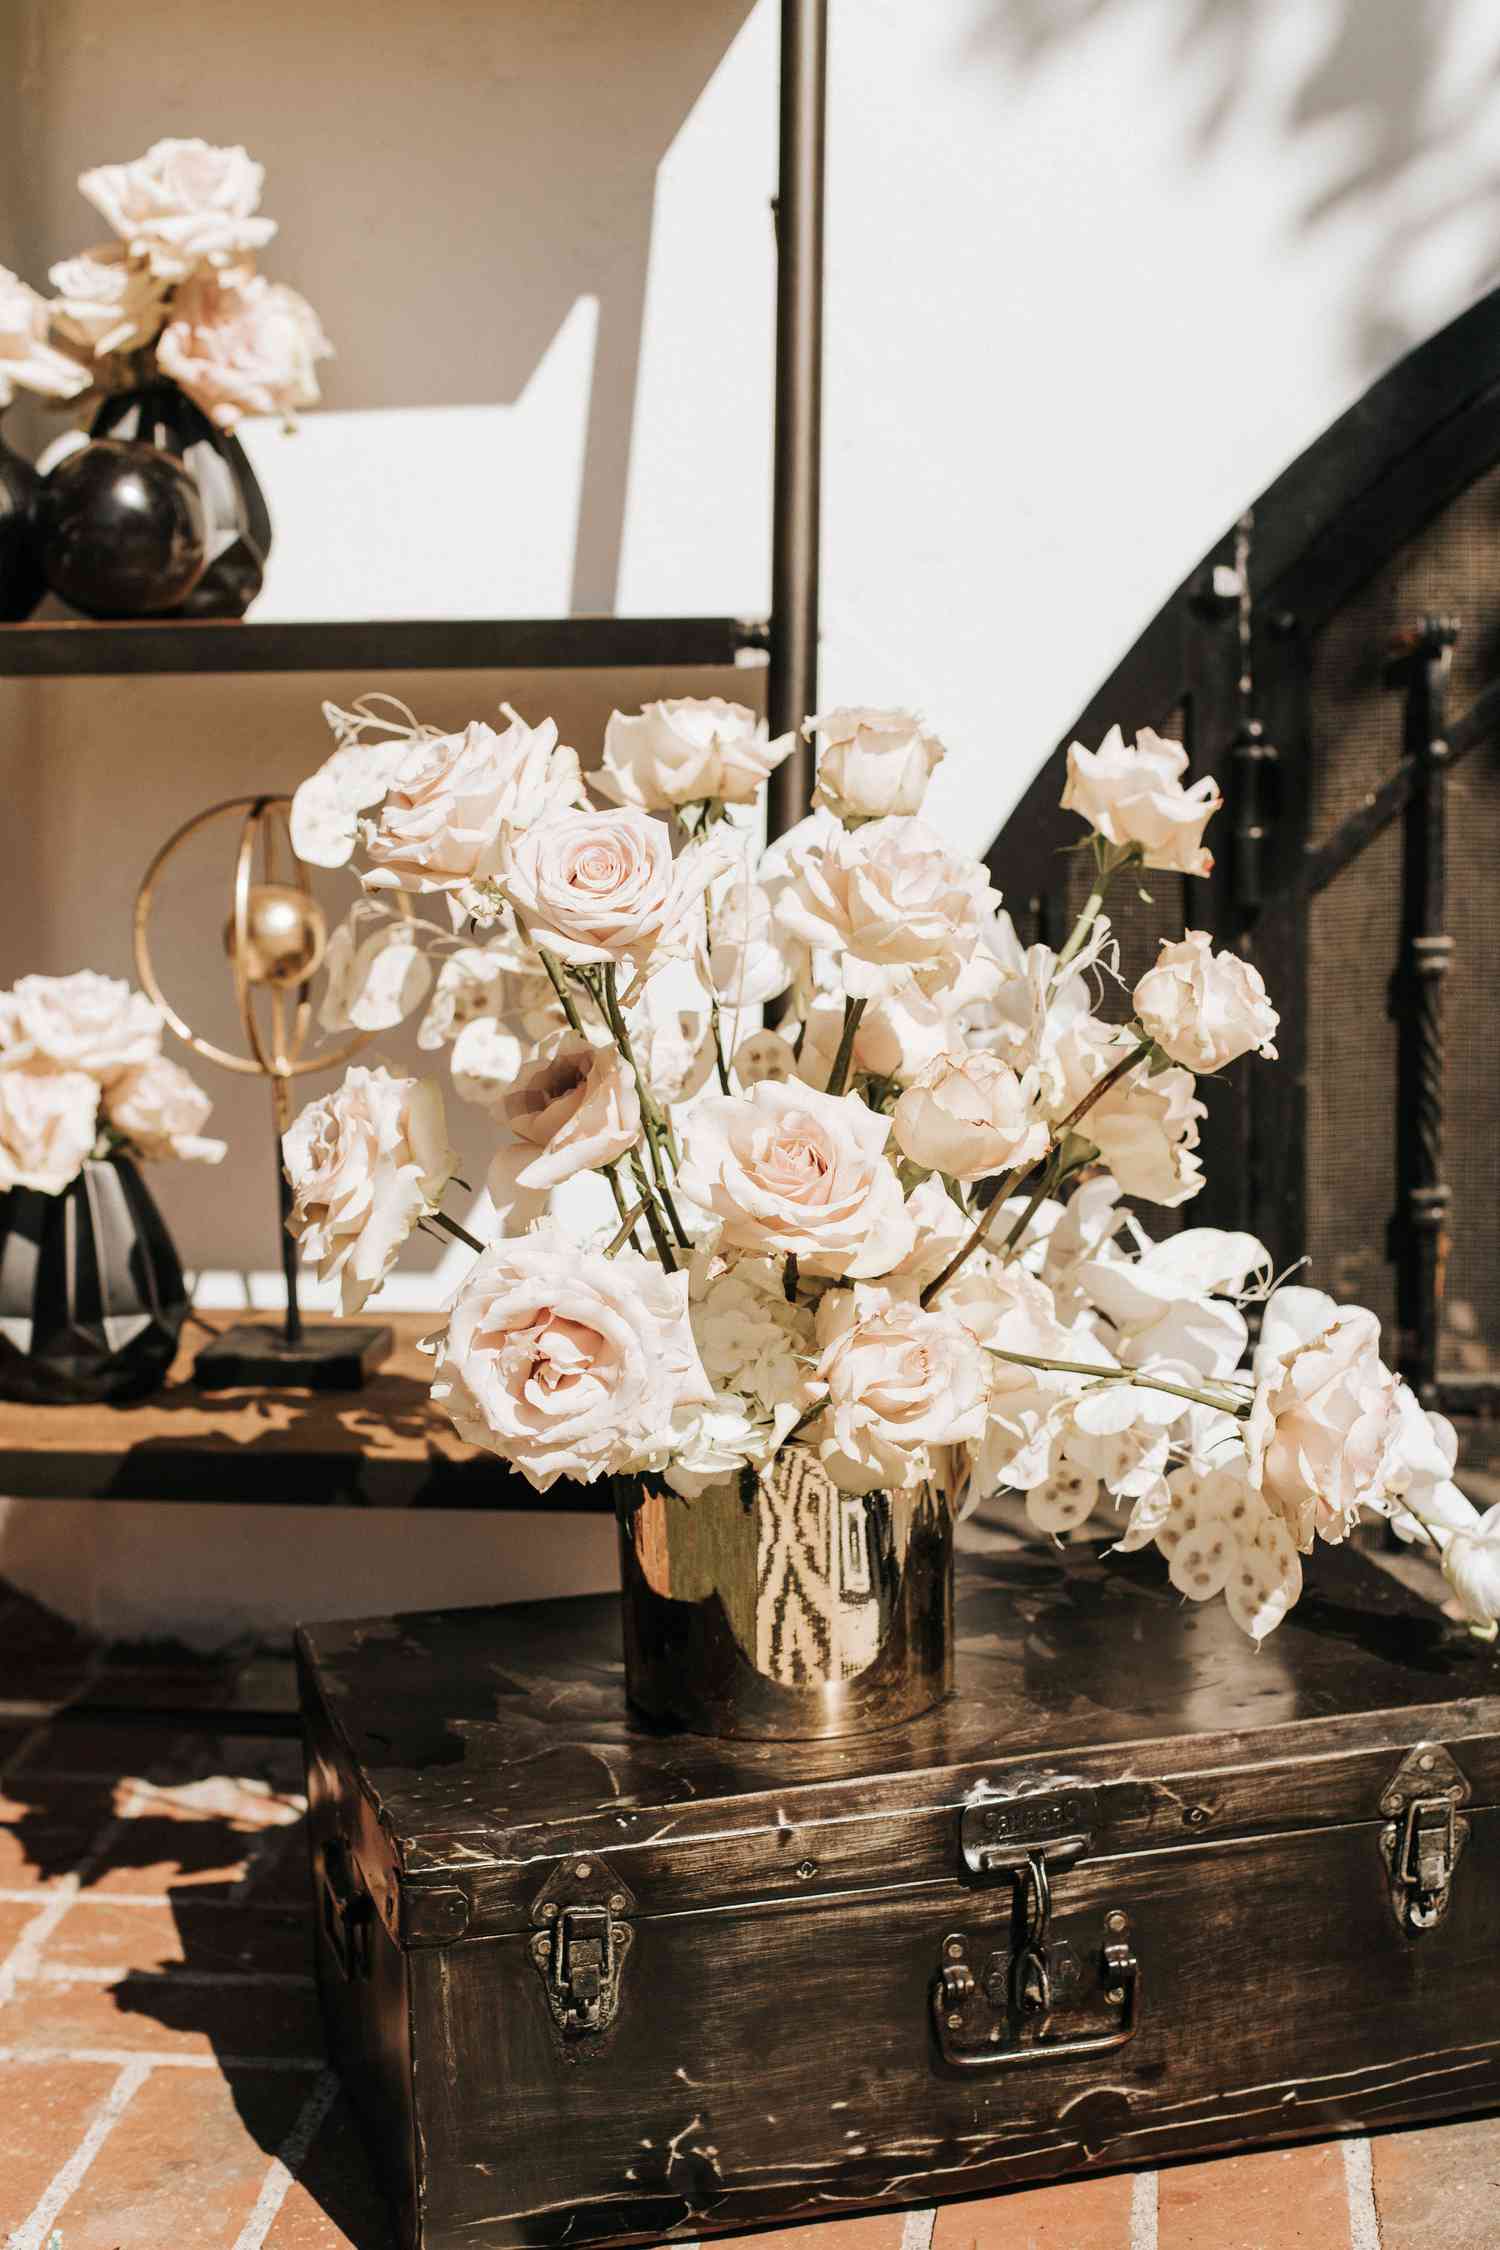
449, 181
1380, 90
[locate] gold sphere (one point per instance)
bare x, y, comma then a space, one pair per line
286, 934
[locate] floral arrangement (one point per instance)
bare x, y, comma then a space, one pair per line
177, 294
82, 1075
902, 1229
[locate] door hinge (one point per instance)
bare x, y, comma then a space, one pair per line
581, 1940
1423, 1839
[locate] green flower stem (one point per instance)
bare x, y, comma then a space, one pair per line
1049, 1179
839, 1076
651, 1118
1239, 1408
1109, 859
559, 983
627, 1223
653, 1212
459, 1234
720, 1065
975, 1241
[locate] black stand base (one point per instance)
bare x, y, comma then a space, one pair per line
257, 1356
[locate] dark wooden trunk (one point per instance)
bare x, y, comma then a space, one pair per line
815, 1952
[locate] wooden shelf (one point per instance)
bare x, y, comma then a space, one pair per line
83, 649
386, 1446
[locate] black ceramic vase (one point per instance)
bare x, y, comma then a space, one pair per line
237, 521
91, 1291
22, 584
122, 530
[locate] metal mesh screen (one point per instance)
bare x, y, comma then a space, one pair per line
1452, 566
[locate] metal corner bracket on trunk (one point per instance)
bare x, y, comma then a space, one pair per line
999, 2014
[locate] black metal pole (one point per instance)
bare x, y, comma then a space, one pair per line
792, 686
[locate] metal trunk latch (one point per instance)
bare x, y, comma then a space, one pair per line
579, 1948
1000, 2014
1424, 1837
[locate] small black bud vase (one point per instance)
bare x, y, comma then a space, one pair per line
122, 528
237, 520
22, 584
92, 1297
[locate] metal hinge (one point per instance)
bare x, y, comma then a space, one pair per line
1424, 1837
579, 1949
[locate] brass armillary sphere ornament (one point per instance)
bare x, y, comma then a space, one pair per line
275, 936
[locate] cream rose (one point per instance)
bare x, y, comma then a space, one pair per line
786, 1169
899, 1380
1205, 1009
239, 344
891, 901
452, 794
1322, 1438
1136, 797
969, 1116
48, 1126
366, 1162
27, 361
572, 1107
106, 302
182, 204
747, 963
871, 763
80, 1022
161, 1112
603, 886
679, 753
1145, 1128
896, 1037
567, 1363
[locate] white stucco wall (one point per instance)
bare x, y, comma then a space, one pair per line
1097, 270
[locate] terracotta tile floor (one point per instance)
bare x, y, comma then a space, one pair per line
162, 2079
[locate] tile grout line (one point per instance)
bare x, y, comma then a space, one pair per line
59, 2192
916, 2229
1143, 2211
1359, 2187
171, 1972
287, 2162
117, 2058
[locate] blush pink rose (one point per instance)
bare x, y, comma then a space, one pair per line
567, 1363
572, 1107
27, 361
1205, 1009
603, 886
452, 794
872, 762
786, 1169
239, 344
48, 1125
681, 752
970, 1115
365, 1163
161, 1111
899, 1381
890, 901
183, 204
1136, 796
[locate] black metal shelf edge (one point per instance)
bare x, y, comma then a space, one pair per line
83, 649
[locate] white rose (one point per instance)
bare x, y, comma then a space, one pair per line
896, 1037
899, 1380
789, 1170
366, 1162
679, 753
1471, 1565
1136, 796
161, 1112
27, 361
106, 302
239, 344
969, 1116
373, 977
181, 204
1203, 1008
1145, 1128
1323, 1438
872, 762
81, 1022
452, 794
572, 1107
891, 901
567, 1363
48, 1124
603, 886
747, 963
